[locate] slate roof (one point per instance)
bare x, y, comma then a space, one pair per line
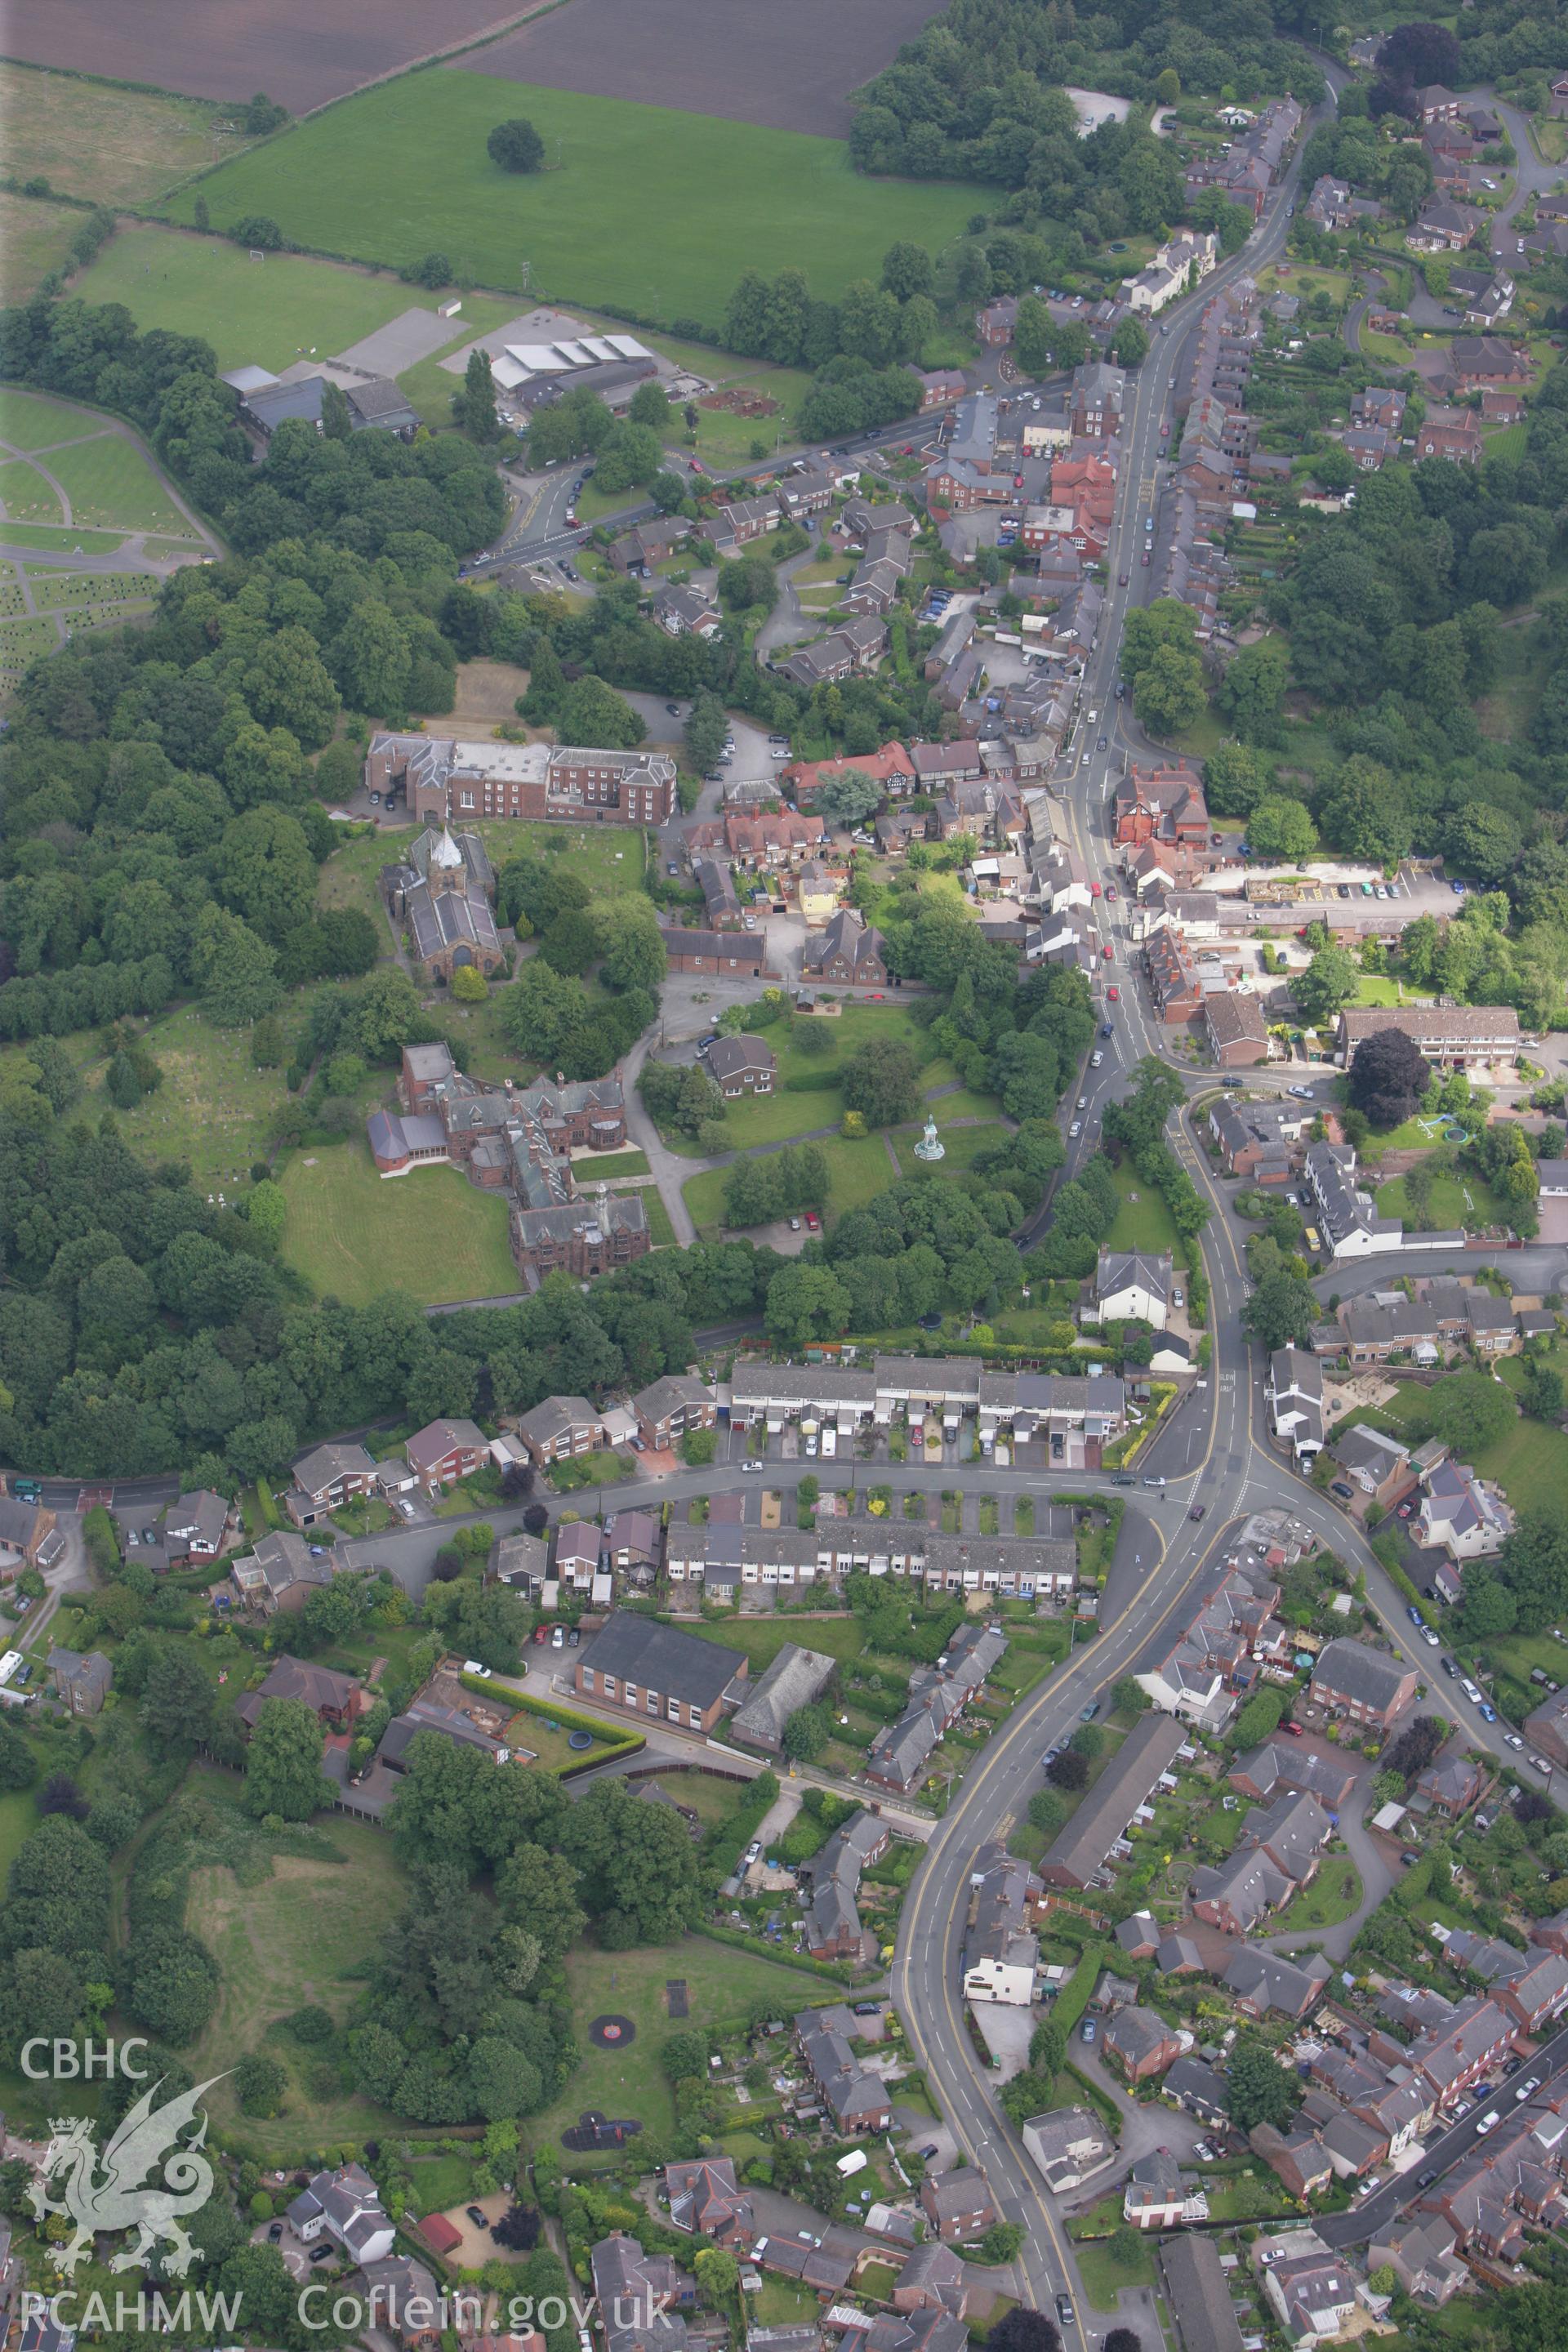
794, 1680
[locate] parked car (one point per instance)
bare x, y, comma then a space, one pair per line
472, 1667
480, 2220
1088, 2030
558, 1638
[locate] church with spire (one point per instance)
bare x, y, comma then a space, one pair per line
443, 891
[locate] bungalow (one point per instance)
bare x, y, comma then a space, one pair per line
444, 1451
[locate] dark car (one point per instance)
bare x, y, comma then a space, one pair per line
868, 2009
1448, 1667
1065, 2311
1197, 1511
1102, 743
275, 2231
1340, 1489
929, 2151
673, 708
321, 2253
480, 2220
1107, 1029
1407, 1861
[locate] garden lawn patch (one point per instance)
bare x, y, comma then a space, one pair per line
1103, 2279
646, 208
1331, 1897
661, 1224
35, 238
94, 139
354, 1233
778, 2302
299, 1937
609, 1165
722, 1984
1449, 1208
1144, 1223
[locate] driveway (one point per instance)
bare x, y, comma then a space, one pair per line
1532, 177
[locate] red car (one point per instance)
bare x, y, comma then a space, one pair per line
1145, 559
1293, 1728
813, 1221
1123, 579
1405, 1510
1107, 952
1113, 994
1094, 889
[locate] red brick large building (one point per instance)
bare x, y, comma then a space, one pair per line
448, 781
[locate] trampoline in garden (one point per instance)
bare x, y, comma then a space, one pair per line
580, 1740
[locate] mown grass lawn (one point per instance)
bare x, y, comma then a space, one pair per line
1332, 1895
761, 1639
1103, 2277
962, 1146
722, 1984
857, 1171
1143, 1221
1457, 1200
1528, 1462
642, 208
354, 1233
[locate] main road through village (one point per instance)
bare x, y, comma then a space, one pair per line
1215, 1449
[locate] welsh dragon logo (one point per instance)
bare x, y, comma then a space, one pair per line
104, 2192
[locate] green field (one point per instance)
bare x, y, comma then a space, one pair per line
299, 1937
761, 1638
722, 1985
268, 313
97, 139
215, 1110
35, 238
30, 420
648, 209
431, 1233
106, 477
1332, 1895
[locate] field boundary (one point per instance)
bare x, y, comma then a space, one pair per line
433, 57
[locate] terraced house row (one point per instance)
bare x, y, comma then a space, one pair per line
1076, 1416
